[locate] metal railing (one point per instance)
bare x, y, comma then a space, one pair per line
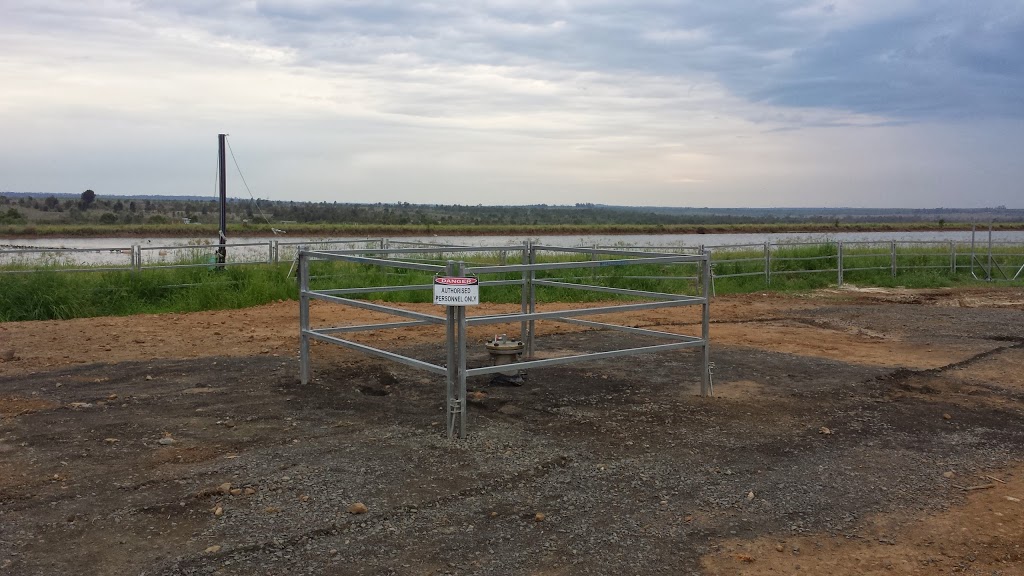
528, 275
988, 260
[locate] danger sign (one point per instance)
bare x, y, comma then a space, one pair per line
456, 291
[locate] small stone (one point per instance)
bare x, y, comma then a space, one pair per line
539, 517
663, 502
224, 488
304, 497
358, 508
111, 440
333, 551
249, 491
825, 431
779, 548
750, 495
947, 416
494, 514
218, 511
1012, 499
949, 474
166, 441
687, 518
236, 491
213, 549
112, 397
271, 509
148, 377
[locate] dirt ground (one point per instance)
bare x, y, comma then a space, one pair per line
851, 432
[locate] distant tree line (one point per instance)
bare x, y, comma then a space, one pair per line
91, 207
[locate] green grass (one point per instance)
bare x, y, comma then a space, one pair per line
51, 294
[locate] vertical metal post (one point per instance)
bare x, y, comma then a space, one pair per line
450, 345
270, 252
303, 317
524, 294
952, 257
988, 272
767, 263
222, 251
705, 381
275, 249
839, 263
461, 310
892, 258
531, 328
137, 257
974, 228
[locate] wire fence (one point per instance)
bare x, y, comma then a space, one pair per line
988, 260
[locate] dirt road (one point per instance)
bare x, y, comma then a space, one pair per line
852, 432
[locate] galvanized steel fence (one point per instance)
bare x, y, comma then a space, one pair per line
988, 260
530, 275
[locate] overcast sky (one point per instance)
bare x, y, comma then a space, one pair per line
887, 103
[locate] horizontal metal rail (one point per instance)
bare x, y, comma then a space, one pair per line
376, 261
595, 311
527, 364
374, 307
372, 289
377, 352
52, 269
609, 290
678, 259
368, 327
738, 274
630, 329
602, 251
814, 271
445, 249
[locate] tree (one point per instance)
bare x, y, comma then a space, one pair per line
88, 197
118, 206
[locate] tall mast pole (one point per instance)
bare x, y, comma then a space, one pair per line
222, 251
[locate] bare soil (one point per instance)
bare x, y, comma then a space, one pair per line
851, 432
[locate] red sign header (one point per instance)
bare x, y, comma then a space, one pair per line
454, 281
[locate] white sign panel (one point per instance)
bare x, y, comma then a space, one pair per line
452, 291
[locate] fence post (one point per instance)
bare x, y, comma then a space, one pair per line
524, 300
767, 263
270, 251
451, 361
892, 258
705, 381
988, 273
303, 318
533, 301
952, 257
839, 262
136, 257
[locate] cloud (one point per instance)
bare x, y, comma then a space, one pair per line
580, 100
